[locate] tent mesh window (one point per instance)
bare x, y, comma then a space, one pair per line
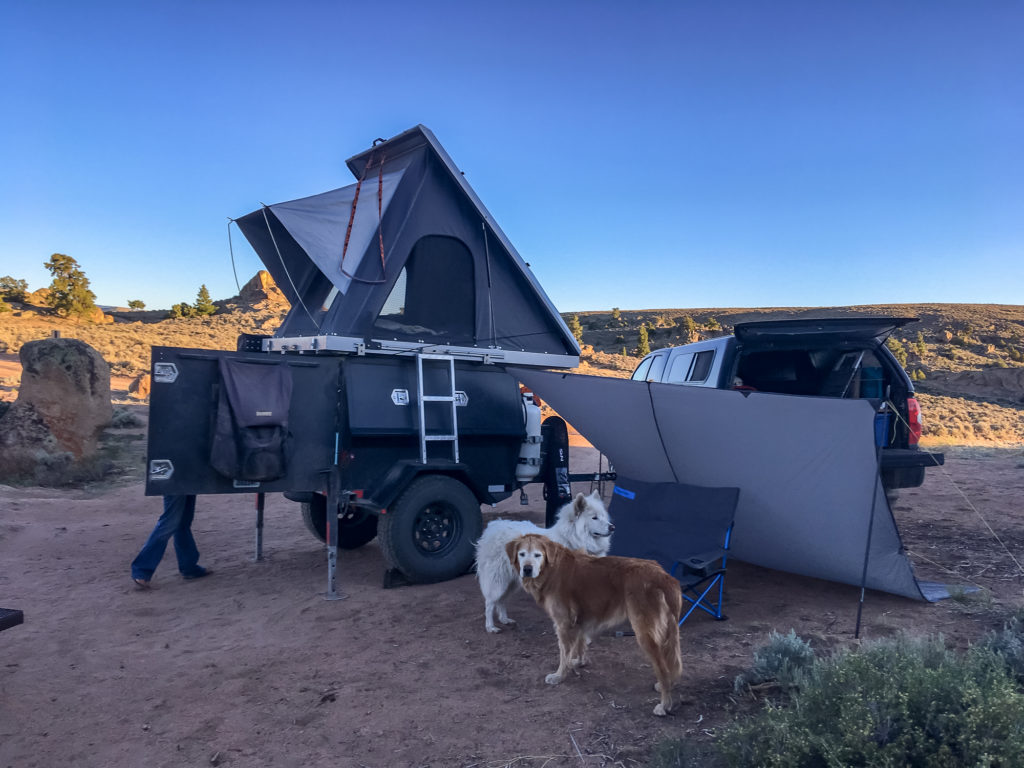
434, 296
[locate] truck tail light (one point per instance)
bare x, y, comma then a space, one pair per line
914, 420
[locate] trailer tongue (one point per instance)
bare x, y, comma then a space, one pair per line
383, 396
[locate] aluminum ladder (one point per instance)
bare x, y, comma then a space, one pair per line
449, 397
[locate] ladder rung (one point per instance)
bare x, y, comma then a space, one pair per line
438, 399
449, 438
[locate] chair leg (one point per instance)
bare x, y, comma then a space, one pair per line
698, 600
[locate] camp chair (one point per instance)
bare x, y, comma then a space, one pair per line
686, 528
701, 573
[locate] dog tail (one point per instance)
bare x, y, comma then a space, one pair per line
667, 633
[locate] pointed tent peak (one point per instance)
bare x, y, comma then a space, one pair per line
413, 138
406, 258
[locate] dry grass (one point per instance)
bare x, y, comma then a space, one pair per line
126, 345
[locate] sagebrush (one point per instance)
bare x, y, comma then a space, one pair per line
894, 703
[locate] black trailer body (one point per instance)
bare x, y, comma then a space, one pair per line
183, 403
358, 412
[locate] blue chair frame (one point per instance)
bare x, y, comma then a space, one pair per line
699, 575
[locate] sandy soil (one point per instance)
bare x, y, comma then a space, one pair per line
253, 667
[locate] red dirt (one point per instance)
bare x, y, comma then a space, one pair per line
252, 667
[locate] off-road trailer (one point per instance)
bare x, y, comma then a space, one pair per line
383, 395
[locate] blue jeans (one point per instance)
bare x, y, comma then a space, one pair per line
176, 521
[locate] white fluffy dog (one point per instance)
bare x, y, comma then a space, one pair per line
582, 524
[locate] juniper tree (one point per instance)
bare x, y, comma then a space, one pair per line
204, 305
13, 289
577, 329
643, 345
69, 291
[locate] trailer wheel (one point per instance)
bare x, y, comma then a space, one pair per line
355, 528
430, 531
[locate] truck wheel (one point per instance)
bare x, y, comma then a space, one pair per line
355, 528
429, 532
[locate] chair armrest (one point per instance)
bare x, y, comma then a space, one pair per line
701, 564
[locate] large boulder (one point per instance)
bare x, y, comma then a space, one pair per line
63, 405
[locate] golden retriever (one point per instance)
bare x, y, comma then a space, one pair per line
584, 594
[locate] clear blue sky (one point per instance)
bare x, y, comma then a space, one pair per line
637, 154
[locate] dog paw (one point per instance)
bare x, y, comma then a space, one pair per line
493, 629
553, 679
508, 621
660, 710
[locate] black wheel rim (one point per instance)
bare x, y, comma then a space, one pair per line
436, 529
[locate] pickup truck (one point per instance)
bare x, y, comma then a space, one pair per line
835, 357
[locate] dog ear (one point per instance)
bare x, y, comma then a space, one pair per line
579, 505
510, 551
550, 549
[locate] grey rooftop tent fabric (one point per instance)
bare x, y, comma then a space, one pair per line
806, 467
407, 253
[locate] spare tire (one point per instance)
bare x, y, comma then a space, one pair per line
356, 527
430, 531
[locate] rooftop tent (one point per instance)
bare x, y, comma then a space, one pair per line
407, 258
806, 468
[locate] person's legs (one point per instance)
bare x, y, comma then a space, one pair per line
144, 565
184, 543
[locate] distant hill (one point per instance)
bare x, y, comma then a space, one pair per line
967, 359
956, 337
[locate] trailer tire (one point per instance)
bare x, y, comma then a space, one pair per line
355, 528
429, 533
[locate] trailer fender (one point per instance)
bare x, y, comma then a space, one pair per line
402, 473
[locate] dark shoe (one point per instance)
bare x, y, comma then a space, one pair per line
142, 584
197, 574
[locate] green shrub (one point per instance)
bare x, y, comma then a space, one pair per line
898, 350
898, 702
919, 346
1008, 644
124, 419
785, 661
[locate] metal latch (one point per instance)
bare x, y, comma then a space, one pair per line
165, 373
161, 469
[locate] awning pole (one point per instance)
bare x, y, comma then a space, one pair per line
867, 545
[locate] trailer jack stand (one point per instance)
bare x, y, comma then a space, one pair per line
331, 521
261, 499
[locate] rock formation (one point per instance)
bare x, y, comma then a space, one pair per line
62, 407
140, 386
260, 293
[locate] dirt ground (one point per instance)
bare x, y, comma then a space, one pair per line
253, 667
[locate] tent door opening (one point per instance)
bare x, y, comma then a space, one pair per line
434, 295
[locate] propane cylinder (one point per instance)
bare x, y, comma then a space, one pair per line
529, 454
